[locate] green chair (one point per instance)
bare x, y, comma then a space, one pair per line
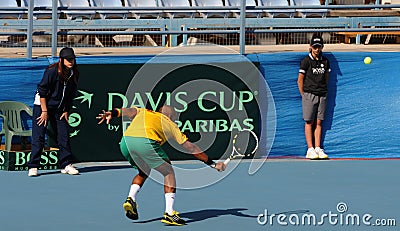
13, 124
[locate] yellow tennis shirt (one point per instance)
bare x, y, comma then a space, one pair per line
154, 126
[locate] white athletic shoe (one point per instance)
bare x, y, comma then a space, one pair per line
70, 169
311, 154
33, 172
321, 153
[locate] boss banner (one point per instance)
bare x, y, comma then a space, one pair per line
17, 160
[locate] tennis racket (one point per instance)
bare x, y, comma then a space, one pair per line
244, 143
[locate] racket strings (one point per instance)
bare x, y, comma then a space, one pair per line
245, 143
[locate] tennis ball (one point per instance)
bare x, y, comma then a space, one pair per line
367, 60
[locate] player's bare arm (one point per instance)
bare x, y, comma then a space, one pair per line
116, 112
129, 112
199, 154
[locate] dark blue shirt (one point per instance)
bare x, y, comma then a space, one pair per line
58, 93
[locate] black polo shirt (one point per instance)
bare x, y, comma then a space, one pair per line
314, 75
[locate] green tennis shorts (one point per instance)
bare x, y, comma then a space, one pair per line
142, 151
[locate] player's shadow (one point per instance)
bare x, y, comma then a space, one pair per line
87, 169
213, 213
102, 168
205, 214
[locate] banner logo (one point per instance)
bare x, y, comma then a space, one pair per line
75, 119
85, 97
17, 161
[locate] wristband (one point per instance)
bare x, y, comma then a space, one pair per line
210, 163
116, 112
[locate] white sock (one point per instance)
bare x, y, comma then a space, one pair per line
169, 202
133, 191
317, 149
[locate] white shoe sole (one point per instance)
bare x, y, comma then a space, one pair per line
315, 158
69, 173
312, 158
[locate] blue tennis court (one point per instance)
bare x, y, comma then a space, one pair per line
293, 194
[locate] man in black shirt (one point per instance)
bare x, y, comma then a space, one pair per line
313, 86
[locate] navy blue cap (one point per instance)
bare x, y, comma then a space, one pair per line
67, 53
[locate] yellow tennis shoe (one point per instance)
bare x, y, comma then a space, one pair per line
130, 208
173, 219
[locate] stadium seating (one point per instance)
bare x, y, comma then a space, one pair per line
41, 14
77, 14
249, 12
277, 12
310, 12
7, 13
105, 14
177, 13
211, 13
144, 13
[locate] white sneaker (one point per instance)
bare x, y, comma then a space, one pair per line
69, 169
311, 154
321, 153
33, 172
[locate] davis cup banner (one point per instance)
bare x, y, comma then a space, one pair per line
215, 96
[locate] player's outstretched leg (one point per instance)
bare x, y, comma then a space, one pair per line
130, 208
172, 219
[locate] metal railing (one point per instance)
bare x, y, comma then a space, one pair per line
183, 26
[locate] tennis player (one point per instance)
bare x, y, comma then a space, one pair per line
313, 87
141, 146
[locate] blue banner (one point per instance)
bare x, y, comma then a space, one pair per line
363, 112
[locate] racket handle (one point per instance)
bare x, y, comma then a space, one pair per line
227, 161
